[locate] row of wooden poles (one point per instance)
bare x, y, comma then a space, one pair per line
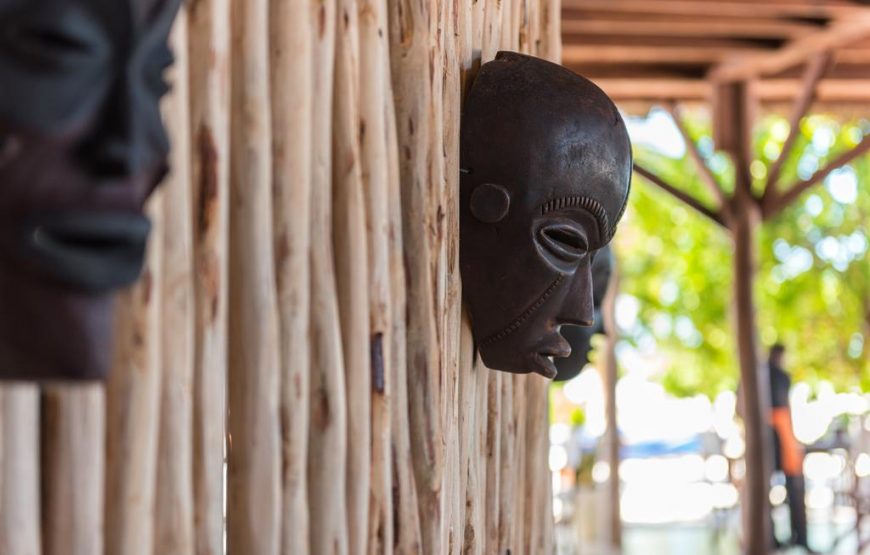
300, 314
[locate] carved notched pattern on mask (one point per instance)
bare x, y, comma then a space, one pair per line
576, 201
515, 325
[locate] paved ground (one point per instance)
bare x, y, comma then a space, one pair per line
704, 539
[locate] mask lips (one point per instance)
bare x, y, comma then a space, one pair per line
94, 252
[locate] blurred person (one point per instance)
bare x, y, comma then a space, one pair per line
788, 453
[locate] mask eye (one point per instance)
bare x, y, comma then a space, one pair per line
563, 241
38, 40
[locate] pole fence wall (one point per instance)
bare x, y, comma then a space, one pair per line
294, 372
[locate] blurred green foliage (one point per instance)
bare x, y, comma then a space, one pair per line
813, 281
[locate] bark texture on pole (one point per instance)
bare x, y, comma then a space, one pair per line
254, 453
209, 52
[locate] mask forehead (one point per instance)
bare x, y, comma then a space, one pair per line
548, 133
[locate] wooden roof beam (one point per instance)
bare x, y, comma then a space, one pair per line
748, 10
701, 28
768, 90
578, 54
837, 35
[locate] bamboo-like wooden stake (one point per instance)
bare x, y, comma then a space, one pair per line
522, 452
292, 74
327, 439
209, 41
551, 19
374, 65
473, 418
415, 105
491, 30
19, 470
452, 316
493, 458
536, 492
609, 373
407, 530
132, 408
174, 495
73, 457
508, 464
351, 270
254, 482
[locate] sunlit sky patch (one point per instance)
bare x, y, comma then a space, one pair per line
657, 132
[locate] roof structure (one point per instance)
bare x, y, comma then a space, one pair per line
644, 52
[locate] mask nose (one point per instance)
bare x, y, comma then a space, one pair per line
579, 307
117, 146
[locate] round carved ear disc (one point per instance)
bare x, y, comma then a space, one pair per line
490, 203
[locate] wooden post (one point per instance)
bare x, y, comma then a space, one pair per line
19, 470
174, 495
410, 39
327, 435
132, 408
292, 73
209, 43
407, 529
254, 478
374, 151
612, 443
737, 104
73, 459
351, 270
493, 454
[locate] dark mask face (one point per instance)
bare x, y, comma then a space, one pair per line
579, 337
546, 170
82, 146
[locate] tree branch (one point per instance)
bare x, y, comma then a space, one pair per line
815, 70
706, 173
778, 203
679, 195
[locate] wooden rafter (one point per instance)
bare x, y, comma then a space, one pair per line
816, 68
704, 170
749, 10
837, 35
778, 201
616, 54
697, 28
655, 89
679, 194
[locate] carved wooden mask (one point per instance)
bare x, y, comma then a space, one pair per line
546, 169
82, 146
579, 337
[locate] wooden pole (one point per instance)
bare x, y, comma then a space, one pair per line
19, 470
209, 43
254, 479
454, 501
351, 270
612, 442
407, 529
174, 495
493, 455
755, 381
374, 151
132, 407
327, 436
292, 73
410, 37
73, 459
